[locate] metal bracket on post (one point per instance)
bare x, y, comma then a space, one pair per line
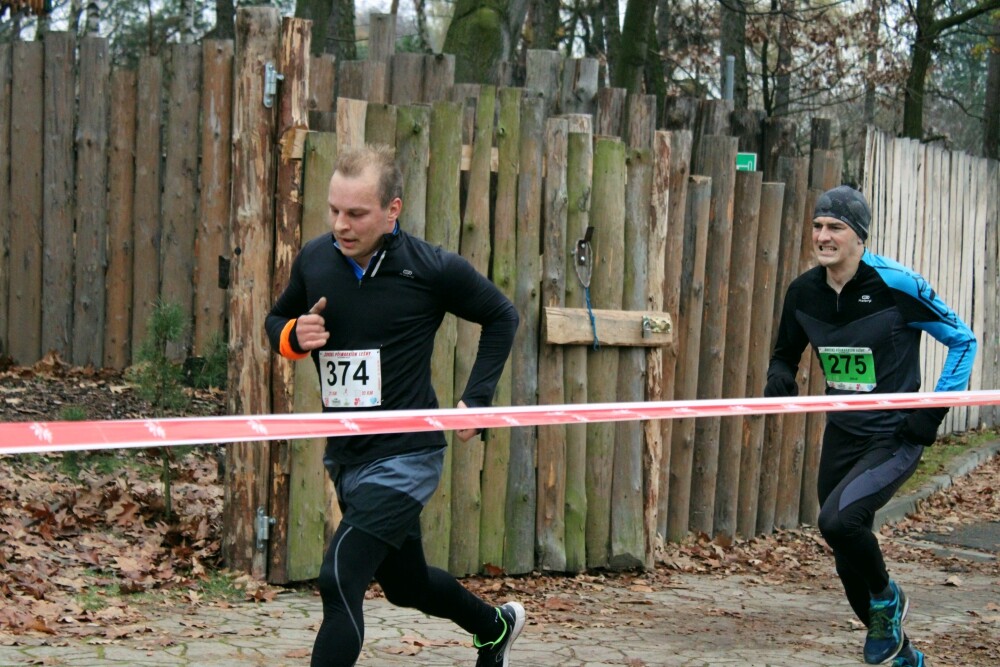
271, 79
262, 528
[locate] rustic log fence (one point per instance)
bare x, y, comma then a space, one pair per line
99, 219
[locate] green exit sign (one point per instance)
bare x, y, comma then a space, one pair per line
746, 162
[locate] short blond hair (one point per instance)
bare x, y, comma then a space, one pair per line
353, 162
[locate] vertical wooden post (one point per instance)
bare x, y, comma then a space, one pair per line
57, 221
991, 314
678, 172
734, 372
550, 517
24, 332
656, 390
759, 350
212, 238
542, 73
5, 153
579, 86
779, 142
606, 290
443, 225
610, 118
407, 80
496, 450
121, 187
467, 457
381, 36
794, 173
293, 126
313, 514
413, 155
180, 186
716, 158
91, 197
351, 119
627, 539
579, 176
146, 232
519, 555
247, 463
439, 76
692, 296
380, 124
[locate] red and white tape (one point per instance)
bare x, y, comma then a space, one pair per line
45, 437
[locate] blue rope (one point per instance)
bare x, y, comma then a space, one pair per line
593, 323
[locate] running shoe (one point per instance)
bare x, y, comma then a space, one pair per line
909, 658
497, 653
885, 627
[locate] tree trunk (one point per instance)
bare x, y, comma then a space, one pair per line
920, 62
868, 116
991, 114
482, 35
340, 39
783, 77
225, 20
317, 11
544, 24
612, 31
630, 63
733, 43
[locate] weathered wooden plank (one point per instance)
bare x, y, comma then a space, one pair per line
990, 336
626, 328
542, 76
746, 220
380, 124
363, 80
439, 76
627, 538
657, 225
678, 171
779, 142
58, 204
689, 317
351, 119
578, 91
312, 506
292, 125
322, 82
794, 173
606, 291
413, 155
121, 187
716, 158
712, 119
212, 237
91, 198
496, 454
640, 120
474, 244
679, 113
550, 515
826, 175
758, 351
247, 464
443, 225
146, 232
610, 119
579, 175
381, 36
180, 186
407, 80
5, 161
747, 125
24, 326
519, 555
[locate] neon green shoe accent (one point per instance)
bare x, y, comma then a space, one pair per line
478, 644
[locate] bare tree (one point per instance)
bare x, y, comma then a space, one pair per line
991, 114
733, 42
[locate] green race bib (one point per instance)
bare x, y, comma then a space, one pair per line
848, 368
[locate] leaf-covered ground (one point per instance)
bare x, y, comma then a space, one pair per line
86, 548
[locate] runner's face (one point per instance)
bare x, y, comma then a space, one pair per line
836, 245
357, 219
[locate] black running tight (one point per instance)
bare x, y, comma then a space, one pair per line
353, 559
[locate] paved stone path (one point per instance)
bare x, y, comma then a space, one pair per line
740, 621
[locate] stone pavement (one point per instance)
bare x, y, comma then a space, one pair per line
727, 621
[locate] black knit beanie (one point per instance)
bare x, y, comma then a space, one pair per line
847, 205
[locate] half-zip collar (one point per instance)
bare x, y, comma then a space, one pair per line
376, 259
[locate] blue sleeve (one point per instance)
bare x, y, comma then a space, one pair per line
923, 309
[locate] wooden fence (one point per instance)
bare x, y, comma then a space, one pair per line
510, 177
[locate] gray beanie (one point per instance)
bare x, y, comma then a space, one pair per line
847, 205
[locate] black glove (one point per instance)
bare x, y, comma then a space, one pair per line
920, 426
780, 384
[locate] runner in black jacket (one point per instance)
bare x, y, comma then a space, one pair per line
863, 314
366, 302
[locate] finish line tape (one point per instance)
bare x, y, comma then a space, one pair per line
47, 437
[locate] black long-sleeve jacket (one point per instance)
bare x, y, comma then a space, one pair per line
395, 307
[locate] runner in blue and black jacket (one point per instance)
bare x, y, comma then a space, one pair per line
863, 315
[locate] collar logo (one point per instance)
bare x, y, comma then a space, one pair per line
406, 273
865, 299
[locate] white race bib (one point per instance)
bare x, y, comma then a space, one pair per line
350, 378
